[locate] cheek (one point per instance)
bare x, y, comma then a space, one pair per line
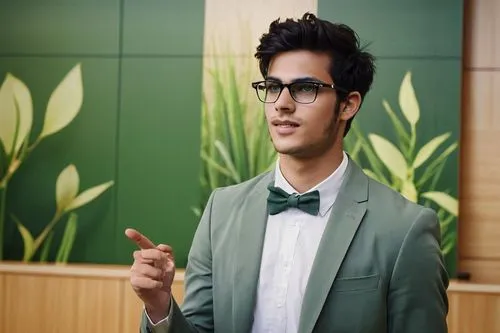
320, 119
268, 109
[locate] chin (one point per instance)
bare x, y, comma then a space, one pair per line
301, 151
285, 146
290, 150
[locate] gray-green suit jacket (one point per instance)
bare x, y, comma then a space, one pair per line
378, 267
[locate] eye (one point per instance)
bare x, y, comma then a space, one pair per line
305, 87
273, 87
261, 87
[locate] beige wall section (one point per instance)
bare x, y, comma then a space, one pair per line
231, 34
479, 227
240, 24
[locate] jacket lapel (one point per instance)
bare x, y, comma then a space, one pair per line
253, 221
347, 213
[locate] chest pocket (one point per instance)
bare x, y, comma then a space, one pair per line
358, 283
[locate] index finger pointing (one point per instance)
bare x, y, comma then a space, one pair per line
142, 241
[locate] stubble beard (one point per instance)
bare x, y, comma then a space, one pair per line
318, 148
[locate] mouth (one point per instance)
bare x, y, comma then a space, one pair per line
285, 127
284, 123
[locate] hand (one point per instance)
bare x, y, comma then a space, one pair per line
152, 274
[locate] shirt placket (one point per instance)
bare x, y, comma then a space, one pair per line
284, 269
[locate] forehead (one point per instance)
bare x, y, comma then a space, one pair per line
291, 65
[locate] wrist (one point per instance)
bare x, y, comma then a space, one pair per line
158, 311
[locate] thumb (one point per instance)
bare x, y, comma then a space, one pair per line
164, 248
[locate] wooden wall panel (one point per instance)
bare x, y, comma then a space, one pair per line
61, 304
99, 299
479, 223
132, 306
474, 312
2, 303
482, 33
56, 304
483, 271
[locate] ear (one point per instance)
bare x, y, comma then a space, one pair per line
350, 106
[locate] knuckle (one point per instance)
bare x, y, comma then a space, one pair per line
134, 281
150, 254
137, 254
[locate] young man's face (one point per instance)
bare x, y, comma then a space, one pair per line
297, 129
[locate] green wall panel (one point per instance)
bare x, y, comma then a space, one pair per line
437, 88
89, 142
163, 27
436, 84
402, 28
59, 27
158, 154
140, 122
424, 37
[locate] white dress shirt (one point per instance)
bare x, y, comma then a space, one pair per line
290, 245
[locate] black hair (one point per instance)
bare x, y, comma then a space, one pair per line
352, 68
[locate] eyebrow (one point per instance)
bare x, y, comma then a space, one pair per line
300, 79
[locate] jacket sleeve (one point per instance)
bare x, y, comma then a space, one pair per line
417, 299
197, 308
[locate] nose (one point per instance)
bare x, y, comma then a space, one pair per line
285, 102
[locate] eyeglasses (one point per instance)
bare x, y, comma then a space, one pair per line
304, 92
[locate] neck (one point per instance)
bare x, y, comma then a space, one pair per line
305, 173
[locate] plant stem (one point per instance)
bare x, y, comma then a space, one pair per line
3, 208
45, 232
39, 240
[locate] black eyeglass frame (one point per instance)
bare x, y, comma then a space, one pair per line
317, 85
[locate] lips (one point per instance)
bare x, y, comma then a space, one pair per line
285, 123
285, 127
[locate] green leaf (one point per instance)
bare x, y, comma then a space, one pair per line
437, 175
375, 163
428, 149
409, 191
449, 241
8, 115
408, 101
390, 156
25, 111
16, 114
371, 174
227, 161
67, 239
214, 165
401, 132
449, 203
196, 211
28, 240
237, 110
430, 170
88, 195
235, 142
64, 103
44, 254
67, 186
445, 223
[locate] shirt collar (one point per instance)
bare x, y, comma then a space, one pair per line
328, 188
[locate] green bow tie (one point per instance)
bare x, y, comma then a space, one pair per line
278, 201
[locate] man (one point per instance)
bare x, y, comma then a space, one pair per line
315, 245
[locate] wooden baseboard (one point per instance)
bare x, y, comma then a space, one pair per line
98, 298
